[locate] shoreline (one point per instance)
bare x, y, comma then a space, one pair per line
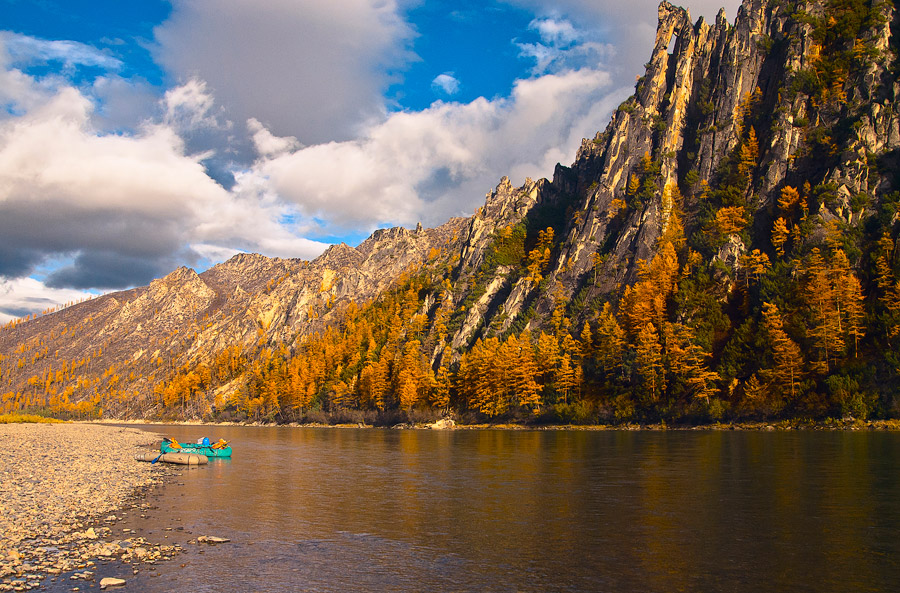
775, 425
63, 487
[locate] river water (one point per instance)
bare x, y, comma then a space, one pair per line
523, 511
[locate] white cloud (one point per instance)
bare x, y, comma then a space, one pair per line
190, 106
24, 296
628, 27
123, 208
52, 155
266, 143
557, 32
305, 68
121, 103
445, 83
253, 218
429, 165
563, 47
24, 49
19, 92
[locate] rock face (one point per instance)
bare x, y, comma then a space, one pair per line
688, 120
686, 115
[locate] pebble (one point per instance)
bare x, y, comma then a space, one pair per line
58, 484
111, 582
211, 539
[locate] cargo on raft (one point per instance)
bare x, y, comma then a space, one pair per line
202, 447
178, 458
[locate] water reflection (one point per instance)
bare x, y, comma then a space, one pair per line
366, 510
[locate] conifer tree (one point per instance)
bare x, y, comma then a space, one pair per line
789, 200
649, 361
824, 326
687, 361
749, 155
610, 340
547, 356
755, 264
788, 360
441, 395
754, 391
780, 235
647, 299
524, 371
730, 220
564, 377
539, 257
586, 342
848, 299
888, 288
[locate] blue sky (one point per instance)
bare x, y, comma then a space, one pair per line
139, 136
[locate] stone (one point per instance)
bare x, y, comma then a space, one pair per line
111, 582
211, 539
443, 424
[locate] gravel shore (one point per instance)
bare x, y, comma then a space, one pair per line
57, 483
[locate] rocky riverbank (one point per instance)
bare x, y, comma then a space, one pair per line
61, 486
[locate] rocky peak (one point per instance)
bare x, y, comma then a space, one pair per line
244, 260
504, 206
339, 256
182, 275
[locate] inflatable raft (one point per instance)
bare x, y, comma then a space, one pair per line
179, 458
219, 449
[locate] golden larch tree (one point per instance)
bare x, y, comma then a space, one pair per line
649, 362
785, 352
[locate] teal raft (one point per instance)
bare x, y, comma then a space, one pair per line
205, 447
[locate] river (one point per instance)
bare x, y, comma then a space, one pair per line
345, 510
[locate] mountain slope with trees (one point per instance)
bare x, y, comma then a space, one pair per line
729, 247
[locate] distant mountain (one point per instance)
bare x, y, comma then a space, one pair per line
726, 248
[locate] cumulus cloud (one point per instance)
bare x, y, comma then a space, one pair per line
254, 218
124, 208
445, 83
99, 268
268, 144
429, 165
305, 68
121, 103
189, 106
20, 92
65, 189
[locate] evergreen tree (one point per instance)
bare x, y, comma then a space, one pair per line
788, 360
